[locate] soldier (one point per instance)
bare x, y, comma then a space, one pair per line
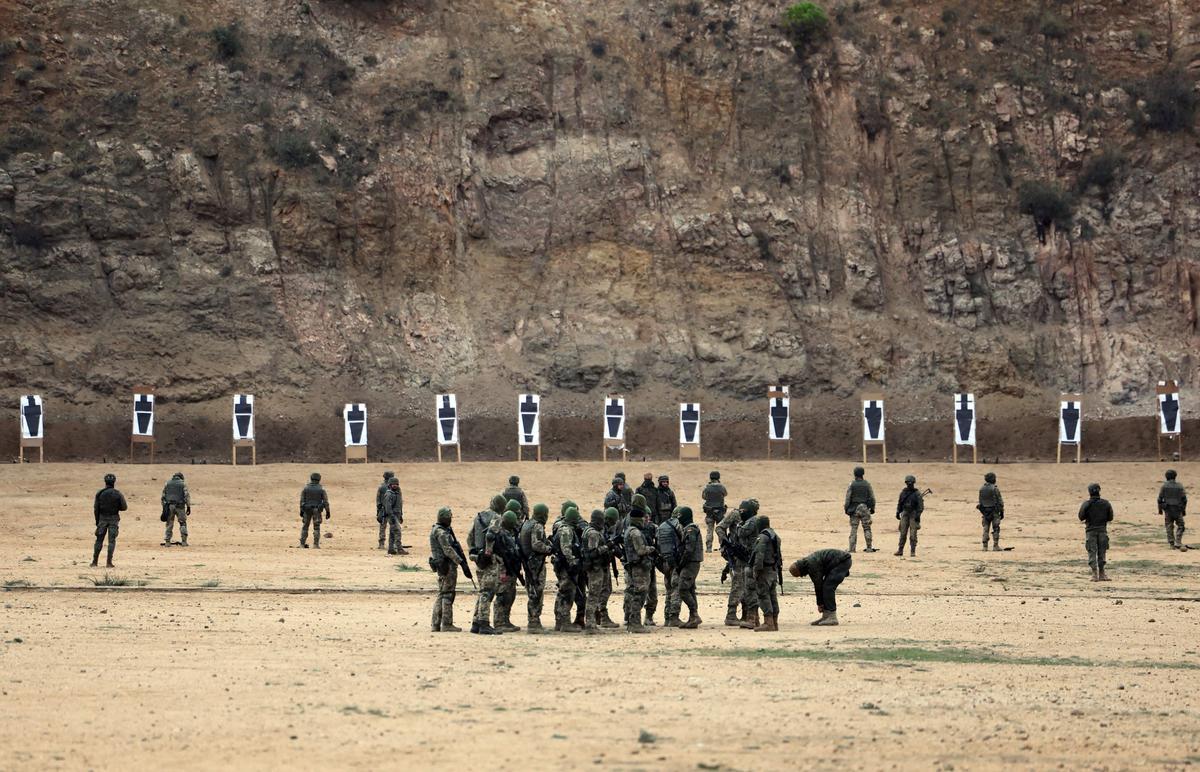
615, 497
664, 500
580, 601
383, 486
514, 493
446, 556
177, 505
534, 548
626, 491
1172, 505
859, 506
487, 567
991, 508
734, 563
650, 536
393, 515
596, 561
567, 562
746, 536
501, 544
766, 567
647, 489
827, 568
908, 512
667, 539
691, 555
1096, 513
313, 501
639, 565
610, 519
714, 505
107, 508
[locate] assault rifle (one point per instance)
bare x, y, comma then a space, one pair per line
458, 550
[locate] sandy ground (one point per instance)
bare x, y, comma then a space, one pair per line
222, 655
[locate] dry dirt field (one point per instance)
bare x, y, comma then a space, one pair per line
243, 651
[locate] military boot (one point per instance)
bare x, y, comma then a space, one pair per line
731, 617
401, 551
95, 557
304, 544
767, 624
693, 621
867, 536
672, 622
448, 627
650, 622
828, 619
109, 563
822, 618
483, 628
634, 626
996, 546
1103, 577
508, 627
751, 621
912, 552
900, 552
1095, 574
571, 627
381, 544
534, 627
985, 549
606, 621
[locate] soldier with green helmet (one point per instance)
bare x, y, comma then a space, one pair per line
735, 562
691, 555
595, 556
991, 510
650, 535
908, 512
177, 505
514, 493
313, 501
500, 542
859, 505
713, 496
534, 548
746, 535
616, 497
639, 565
446, 557
766, 565
1096, 513
667, 539
626, 493
568, 569
379, 506
393, 515
1172, 505
610, 524
580, 602
107, 508
487, 566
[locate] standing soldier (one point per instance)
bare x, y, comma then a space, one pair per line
664, 500
446, 556
596, 563
615, 498
1096, 513
501, 545
393, 514
177, 505
639, 565
714, 505
383, 487
107, 508
1172, 505
650, 536
487, 568
611, 518
626, 493
691, 555
908, 512
766, 567
313, 501
514, 493
567, 569
667, 539
735, 563
859, 506
647, 489
534, 548
991, 507
746, 536
827, 568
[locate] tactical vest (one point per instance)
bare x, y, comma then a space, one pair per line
525, 539
557, 558
1171, 494
667, 538
313, 496
714, 496
483, 521
989, 496
631, 556
174, 491
592, 556
379, 498
697, 553
774, 555
437, 558
860, 493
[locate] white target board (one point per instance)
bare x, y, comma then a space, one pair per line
33, 425
779, 413
614, 419
354, 417
689, 423
873, 420
243, 416
143, 415
964, 419
1070, 422
1170, 415
529, 419
446, 416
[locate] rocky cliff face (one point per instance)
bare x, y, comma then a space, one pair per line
327, 199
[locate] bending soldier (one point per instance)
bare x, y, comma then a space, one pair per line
313, 501
766, 566
691, 555
639, 565
908, 512
446, 556
177, 505
1172, 505
393, 515
1096, 513
859, 505
107, 508
714, 505
534, 548
383, 486
827, 568
991, 508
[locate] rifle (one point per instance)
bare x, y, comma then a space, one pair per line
166, 512
458, 550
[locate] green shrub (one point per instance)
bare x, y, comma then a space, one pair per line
1141, 38
228, 40
1171, 102
22, 76
1053, 27
292, 149
807, 26
1101, 172
1047, 203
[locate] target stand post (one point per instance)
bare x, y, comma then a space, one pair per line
689, 451
974, 452
520, 447
148, 398
1078, 443
787, 444
457, 452
245, 444
356, 453
30, 443
606, 447
135, 439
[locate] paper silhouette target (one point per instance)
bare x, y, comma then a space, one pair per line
354, 415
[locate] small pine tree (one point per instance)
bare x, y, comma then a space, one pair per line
807, 26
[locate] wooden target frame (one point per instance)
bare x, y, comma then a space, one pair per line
882, 444
605, 443
356, 453
1167, 387
245, 444
975, 447
689, 451
1078, 430
141, 439
31, 442
458, 451
777, 393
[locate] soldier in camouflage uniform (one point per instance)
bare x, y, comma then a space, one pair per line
535, 547
626, 493
746, 536
107, 507
1096, 513
766, 562
611, 523
908, 512
714, 505
667, 539
393, 515
568, 569
487, 567
445, 557
383, 486
615, 497
1172, 505
991, 510
727, 536
859, 506
691, 555
664, 500
639, 565
649, 535
596, 564
514, 493
313, 501
500, 542
827, 568
177, 501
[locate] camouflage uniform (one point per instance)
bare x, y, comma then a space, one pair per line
487, 568
535, 547
514, 493
383, 487
107, 508
727, 534
1096, 513
178, 501
765, 561
714, 508
991, 511
1172, 505
501, 544
639, 565
827, 568
445, 560
691, 555
650, 535
567, 569
747, 536
313, 501
908, 511
617, 499
859, 505
667, 539
393, 515
596, 564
